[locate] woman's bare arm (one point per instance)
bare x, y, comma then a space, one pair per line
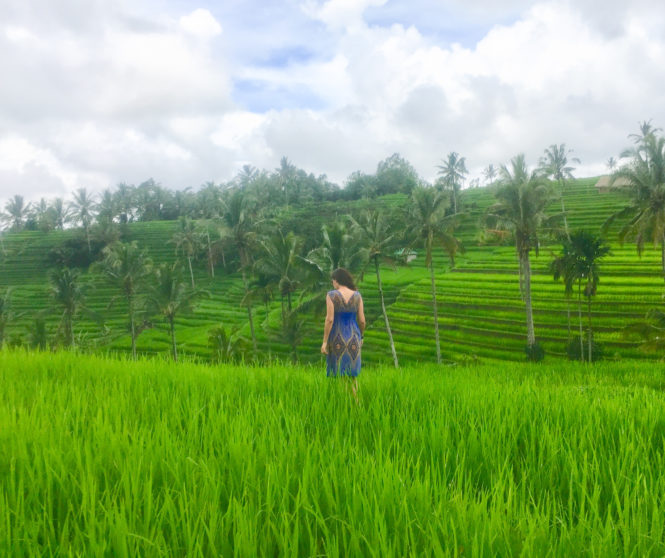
330, 317
361, 316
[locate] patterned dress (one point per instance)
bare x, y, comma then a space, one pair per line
344, 339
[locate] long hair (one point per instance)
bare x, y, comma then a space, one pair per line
343, 277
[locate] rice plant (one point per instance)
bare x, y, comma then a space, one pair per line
104, 457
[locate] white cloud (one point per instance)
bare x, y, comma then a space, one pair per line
94, 94
200, 23
339, 14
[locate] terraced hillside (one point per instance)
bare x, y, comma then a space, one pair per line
480, 311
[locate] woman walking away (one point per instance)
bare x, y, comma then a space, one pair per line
344, 327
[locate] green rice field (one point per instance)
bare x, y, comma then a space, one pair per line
103, 457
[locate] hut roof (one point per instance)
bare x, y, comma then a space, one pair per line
604, 182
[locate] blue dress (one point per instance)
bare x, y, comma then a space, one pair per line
344, 340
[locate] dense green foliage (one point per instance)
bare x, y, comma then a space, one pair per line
481, 314
108, 458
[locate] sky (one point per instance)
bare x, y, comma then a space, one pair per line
98, 92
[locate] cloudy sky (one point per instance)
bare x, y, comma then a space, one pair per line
96, 92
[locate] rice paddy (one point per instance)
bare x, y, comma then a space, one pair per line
104, 457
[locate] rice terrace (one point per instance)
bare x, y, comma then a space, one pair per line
163, 392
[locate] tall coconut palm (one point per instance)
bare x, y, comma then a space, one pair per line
172, 296
489, 173
452, 173
42, 216
640, 140
286, 175
646, 210
82, 208
240, 219
375, 234
67, 293
128, 267
188, 242
554, 165
520, 209
429, 226
16, 212
124, 201
60, 213
578, 263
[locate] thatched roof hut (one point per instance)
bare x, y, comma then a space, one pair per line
603, 184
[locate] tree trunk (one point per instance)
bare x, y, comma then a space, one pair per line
173, 342
69, 329
87, 236
568, 318
268, 331
133, 333
191, 272
436, 317
662, 254
385, 314
211, 264
590, 332
521, 272
563, 211
579, 315
249, 313
530, 330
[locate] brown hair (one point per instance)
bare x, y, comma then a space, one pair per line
343, 277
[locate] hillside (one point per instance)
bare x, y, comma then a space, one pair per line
480, 311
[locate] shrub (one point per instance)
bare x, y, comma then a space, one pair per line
535, 352
573, 349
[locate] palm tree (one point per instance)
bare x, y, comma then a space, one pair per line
520, 208
452, 173
430, 225
646, 211
339, 248
83, 211
489, 173
240, 222
262, 290
188, 241
226, 346
67, 293
129, 269
124, 202
42, 216
279, 261
377, 238
38, 334
286, 173
579, 263
554, 165
60, 213
17, 212
611, 164
171, 296
646, 129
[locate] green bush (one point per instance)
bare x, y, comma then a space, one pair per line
573, 349
535, 352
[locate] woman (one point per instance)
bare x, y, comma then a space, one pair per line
344, 327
